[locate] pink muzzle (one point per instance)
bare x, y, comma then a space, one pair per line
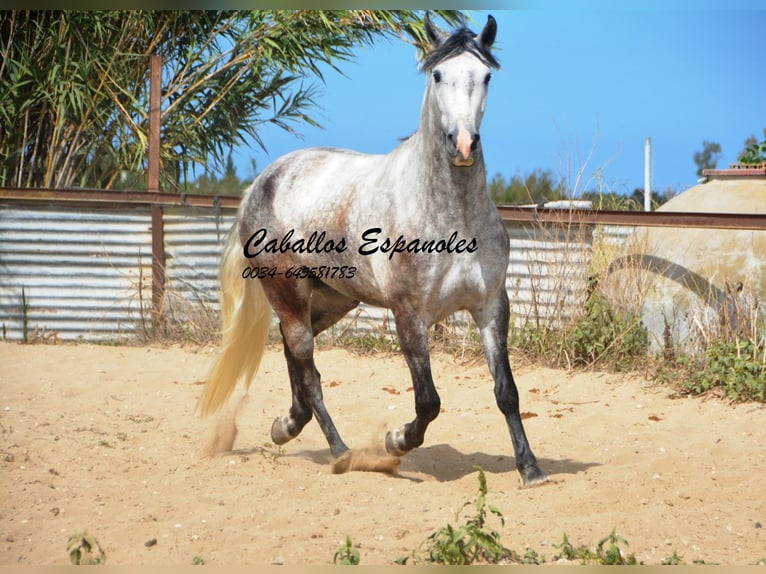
463, 144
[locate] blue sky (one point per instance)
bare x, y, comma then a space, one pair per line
579, 91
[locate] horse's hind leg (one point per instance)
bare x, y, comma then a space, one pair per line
289, 426
303, 315
493, 325
413, 338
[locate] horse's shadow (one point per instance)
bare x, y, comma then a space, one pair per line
446, 464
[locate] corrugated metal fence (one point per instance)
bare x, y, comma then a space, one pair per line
73, 272
83, 271
194, 239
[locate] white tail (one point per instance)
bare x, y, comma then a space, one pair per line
246, 319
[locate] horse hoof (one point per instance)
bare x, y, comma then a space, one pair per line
279, 430
395, 443
532, 476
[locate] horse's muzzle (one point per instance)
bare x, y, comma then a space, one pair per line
462, 146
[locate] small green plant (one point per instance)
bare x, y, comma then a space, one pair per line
271, 452
471, 542
532, 557
198, 561
347, 554
607, 552
611, 554
567, 551
84, 549
673, 560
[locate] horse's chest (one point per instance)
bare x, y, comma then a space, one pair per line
464, 284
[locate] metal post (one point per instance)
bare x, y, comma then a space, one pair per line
153, 184
648, 174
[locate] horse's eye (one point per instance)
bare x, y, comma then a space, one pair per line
437, 76
487, 78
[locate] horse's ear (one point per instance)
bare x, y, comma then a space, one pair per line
435, 35
487, 36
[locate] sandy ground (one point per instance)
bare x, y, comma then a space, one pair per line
105, 439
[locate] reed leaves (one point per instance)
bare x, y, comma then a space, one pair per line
74, 85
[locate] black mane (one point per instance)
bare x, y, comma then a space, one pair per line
462, 40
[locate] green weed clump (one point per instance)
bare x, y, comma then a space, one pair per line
347, 555
604, 335
601, 336
735, 369
608, 552
729, 358
472, 542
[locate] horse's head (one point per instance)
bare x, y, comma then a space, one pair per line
460, 66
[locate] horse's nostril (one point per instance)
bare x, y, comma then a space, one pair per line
475, 142
451, 136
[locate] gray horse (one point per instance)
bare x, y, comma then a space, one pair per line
414, 231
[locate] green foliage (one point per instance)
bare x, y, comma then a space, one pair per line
607, 551
730, 357
614, 201
75, 85
198, 561
634, 202
347, 554
84, 550
536, 187
469, 543
737, 369
542, 186
673, 560
364, 343
754, 154
604, 335
227, 184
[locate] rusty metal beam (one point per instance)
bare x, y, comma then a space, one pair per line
119, 198
754, 221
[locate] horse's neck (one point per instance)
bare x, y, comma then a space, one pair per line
444, 183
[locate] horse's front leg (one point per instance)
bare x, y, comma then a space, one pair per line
413, 338
492, 320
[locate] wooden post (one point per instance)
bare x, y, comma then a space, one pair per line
153, 184
155, 119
